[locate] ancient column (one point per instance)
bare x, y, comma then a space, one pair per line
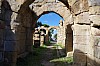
36, 38
42, 38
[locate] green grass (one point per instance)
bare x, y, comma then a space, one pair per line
60, 45
32, 59
64, 59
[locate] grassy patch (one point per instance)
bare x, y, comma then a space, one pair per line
60, 45
64, 59
33, 59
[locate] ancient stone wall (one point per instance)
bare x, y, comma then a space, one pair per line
15, 35
85, 26
18, 18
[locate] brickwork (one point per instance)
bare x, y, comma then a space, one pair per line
79, 32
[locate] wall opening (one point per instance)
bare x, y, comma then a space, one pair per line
69, 40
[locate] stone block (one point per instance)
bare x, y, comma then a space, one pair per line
95, 19
22, 36
51, 1
81, 40
83, 30
21, 29
97, 41
80, 58
90, 49
7, 18
94, 2
38, 1
90, 60
10, 46
97, 52
80, 48
95, 31
9, 35
21, 46
82, 18
94, 10
71, 2
80, 6
97, 61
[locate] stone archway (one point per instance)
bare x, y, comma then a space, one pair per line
86, 26
53, 27
47, 29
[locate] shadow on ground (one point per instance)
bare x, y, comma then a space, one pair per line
42, 56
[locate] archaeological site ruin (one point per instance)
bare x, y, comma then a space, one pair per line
79, 32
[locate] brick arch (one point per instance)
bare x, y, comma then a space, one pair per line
46, 7
77, 8
54, 27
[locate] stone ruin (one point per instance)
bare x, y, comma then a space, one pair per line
40, 37
80, 32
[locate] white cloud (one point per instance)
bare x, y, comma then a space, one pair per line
45, 21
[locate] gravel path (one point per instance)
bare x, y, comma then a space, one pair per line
48, 55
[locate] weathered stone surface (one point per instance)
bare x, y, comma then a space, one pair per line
9, 46
81, 40
97, 52
9, 35
96, 43
90, 60
16, 15
83, 30
95, 19
80, 48
95, 31
97, 61
51, 0
80, 6
82, 18
94, 2
60, 8
80, 59
72, 2
94, 10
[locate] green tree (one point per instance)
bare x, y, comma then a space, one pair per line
45, 25
51, 31
55, 36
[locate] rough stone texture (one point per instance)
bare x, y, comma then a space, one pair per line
81, 30
81, 59
94, 2
95, 19
79, 6
82, 18
80, 43
18, 18
94, 10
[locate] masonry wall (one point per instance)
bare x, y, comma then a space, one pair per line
86, 32
15, 32
16, 24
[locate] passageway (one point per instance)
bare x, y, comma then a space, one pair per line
46, 55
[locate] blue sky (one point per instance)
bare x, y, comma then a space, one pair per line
51, 19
